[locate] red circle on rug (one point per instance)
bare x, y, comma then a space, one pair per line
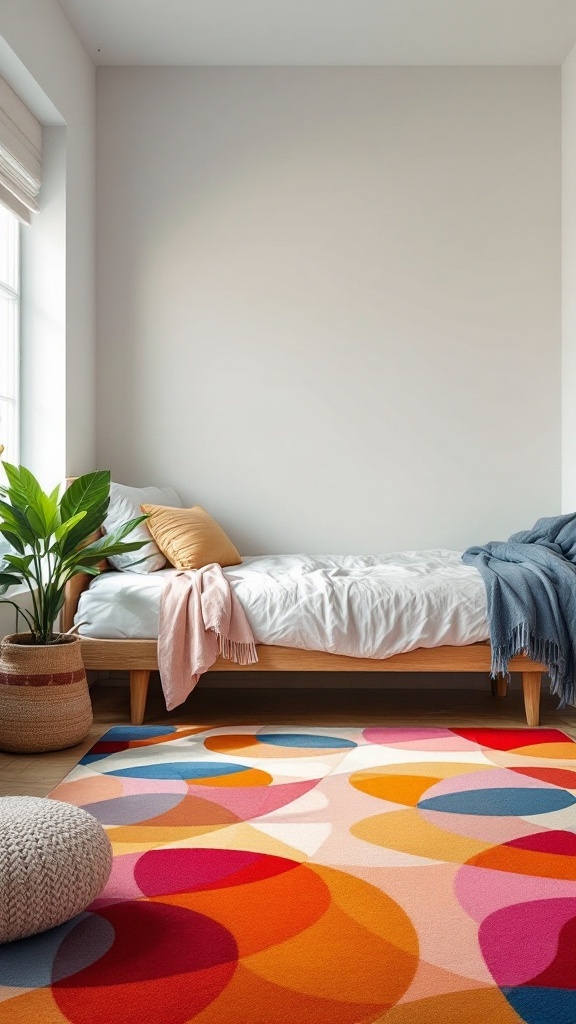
165, 965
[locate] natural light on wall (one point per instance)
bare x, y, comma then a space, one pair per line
9, 332
20, 180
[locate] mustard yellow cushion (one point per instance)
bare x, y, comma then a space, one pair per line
189, 537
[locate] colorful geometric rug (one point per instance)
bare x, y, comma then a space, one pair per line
317, 876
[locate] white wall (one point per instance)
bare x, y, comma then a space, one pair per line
44, 61
328, 299
569, 283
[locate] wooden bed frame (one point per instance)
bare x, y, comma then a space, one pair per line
139, 658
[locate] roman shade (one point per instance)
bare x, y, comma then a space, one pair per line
20, 154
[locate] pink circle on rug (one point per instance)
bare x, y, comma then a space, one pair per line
162, 872
519, 942
398, 734
121, 885
483, 891
417, 738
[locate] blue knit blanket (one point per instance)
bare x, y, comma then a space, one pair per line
531, 590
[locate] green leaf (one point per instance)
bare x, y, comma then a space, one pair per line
59, 602
9, 514
13, 474
15, 519
12, 538
8, 580
37, 523
108, 544
51, 512
64, 529
55, 494
22, 484
96, 552
89, 494
85, 493
20, 562
116, 538
82, 531
26, 494
127, 528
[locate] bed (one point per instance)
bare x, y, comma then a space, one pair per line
401, 612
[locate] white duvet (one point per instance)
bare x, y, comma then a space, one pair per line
365, 606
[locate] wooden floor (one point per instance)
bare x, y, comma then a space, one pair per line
38, 774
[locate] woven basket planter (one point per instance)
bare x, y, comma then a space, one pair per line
44, 699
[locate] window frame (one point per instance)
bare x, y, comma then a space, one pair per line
12, 292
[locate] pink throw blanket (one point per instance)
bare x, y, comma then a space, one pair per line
200, 618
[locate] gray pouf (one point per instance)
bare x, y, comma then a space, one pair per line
54, 860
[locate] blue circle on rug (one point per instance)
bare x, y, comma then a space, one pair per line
540, 1005
185, 770
127, 733
500, 802
29, 963
306, 740
91, 758
133, 810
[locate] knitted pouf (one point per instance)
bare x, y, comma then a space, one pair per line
54, 860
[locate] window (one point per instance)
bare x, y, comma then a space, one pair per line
9, 333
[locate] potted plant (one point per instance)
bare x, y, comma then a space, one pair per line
44, 699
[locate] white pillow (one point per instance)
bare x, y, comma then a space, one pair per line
125, 505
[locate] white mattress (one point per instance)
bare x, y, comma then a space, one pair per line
370, 606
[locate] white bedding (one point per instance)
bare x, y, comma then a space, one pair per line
370, 606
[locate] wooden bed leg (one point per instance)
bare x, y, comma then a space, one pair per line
499, 686
531, 687
139, 679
